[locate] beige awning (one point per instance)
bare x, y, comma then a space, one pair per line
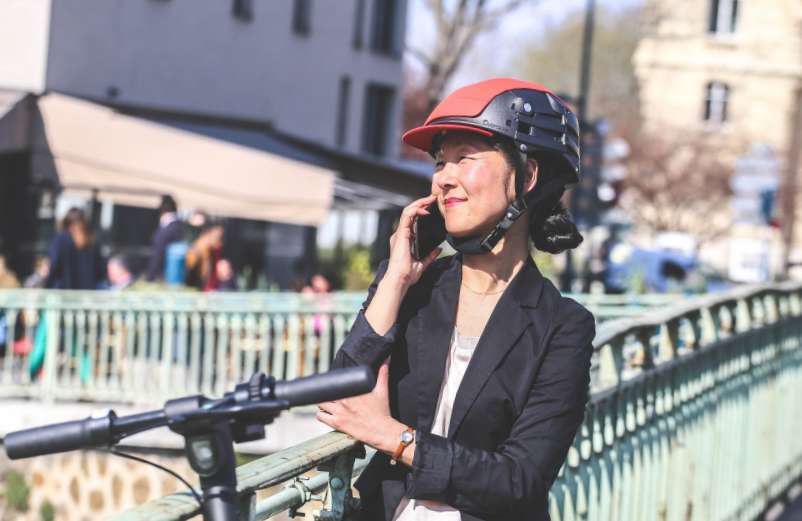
131, 161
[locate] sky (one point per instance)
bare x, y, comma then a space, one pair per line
493, 51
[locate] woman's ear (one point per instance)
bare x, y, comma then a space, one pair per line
532, 171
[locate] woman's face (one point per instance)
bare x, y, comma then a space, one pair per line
473, 183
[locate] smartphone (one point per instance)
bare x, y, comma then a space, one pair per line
428, 232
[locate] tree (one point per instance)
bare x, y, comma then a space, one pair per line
457, 25
554, 60
677, 184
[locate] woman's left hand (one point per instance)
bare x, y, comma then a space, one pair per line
367, 417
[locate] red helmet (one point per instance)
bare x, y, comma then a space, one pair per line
529, 114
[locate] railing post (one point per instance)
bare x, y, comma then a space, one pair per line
340, 471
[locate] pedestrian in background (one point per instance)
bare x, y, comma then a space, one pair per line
75, 260
120, 274
38, 278
8, 280
202, 258
170, 230
226, 277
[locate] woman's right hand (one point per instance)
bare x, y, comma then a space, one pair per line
402, 267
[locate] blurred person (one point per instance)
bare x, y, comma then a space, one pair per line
226, 278
170, 230
119, 272
482, 441
8, 280
319, 283
75, 260
38, 278
202, 257
195, 223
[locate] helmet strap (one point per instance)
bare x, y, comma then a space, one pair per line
476, 244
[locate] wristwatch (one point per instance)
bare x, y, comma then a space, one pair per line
407, 437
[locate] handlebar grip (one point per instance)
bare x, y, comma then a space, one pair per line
324, 387
59, 437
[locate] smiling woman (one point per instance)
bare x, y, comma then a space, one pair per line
483, 367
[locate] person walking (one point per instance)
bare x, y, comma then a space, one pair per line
482, 365
75, 260
170, 230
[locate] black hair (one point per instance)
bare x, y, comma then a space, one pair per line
550, 225
167, 205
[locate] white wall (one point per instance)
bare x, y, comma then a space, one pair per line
24, 27
194, 56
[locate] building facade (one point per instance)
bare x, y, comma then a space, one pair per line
313, 82
328, 72
729, 72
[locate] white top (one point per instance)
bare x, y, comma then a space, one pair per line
462, 348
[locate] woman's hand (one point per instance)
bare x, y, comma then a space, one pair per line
365, 418
402, 266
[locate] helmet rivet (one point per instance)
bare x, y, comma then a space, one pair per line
527, 107
522, 147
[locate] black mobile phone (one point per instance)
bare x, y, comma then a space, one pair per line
428, 232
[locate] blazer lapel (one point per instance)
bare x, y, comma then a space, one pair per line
506, 324
434, 338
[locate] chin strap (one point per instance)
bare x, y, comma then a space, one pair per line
476, 244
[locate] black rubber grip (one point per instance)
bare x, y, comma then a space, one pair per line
324, 387
59, 437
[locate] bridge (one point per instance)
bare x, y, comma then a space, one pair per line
693, 414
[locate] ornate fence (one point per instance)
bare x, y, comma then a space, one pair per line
147, 347
695, 414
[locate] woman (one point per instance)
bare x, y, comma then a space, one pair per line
75, 260
202, 258
490, 365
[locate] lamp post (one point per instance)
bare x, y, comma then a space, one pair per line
568, 274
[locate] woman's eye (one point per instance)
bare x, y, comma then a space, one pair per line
439, 164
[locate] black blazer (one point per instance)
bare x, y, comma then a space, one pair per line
517, 410
73, 268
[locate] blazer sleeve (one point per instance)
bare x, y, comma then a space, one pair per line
362, 345
518, 475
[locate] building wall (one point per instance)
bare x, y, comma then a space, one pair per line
24, 31
194, 56
761, 62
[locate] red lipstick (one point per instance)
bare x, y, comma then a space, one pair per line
453, 201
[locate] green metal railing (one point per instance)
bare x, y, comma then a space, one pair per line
695, 414
147, 347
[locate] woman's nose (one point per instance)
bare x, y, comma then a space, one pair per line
447, 176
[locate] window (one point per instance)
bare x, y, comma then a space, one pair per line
716, 101
242, 10
342, 110
359, 22
383, 33
301, 17
723, 16
377, 118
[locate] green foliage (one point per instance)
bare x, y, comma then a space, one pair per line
357, 275
351, 272
17, 491
553, 59
47, 512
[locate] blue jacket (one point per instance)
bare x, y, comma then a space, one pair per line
519, 406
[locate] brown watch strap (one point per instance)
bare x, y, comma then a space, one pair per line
401, 446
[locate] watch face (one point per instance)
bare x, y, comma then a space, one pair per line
406, 437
